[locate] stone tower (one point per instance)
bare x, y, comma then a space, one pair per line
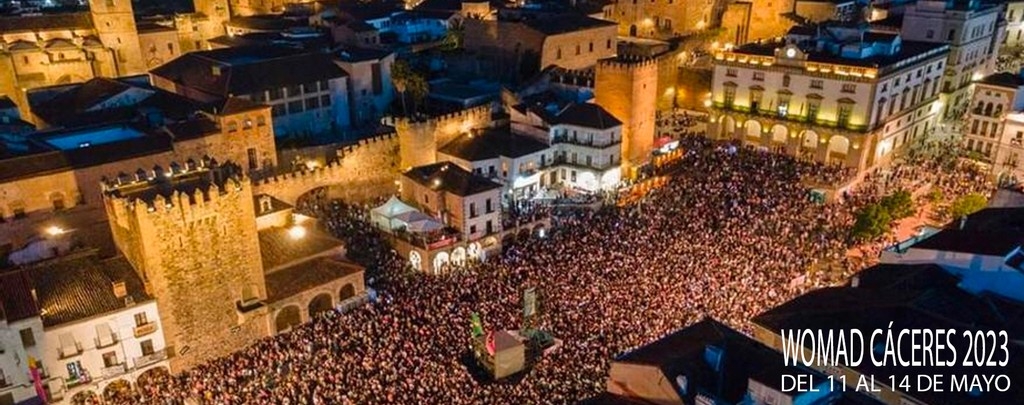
115, 23
217, 13
419, 139
191, 234
628, 88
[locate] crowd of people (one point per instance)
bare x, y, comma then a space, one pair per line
732, 233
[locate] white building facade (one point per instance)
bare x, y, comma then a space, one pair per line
848, 98
1014, 24
85, 357
974, 32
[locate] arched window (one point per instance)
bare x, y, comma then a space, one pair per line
988, 109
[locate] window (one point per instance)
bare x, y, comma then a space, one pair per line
930, 34
849, 88
472, 210
27, 338
75, 371
147, 347
276, 94
110, 359
608, 44
253, 162
783, 109
19, 213
489, 227
730, 96
812, 109
817, 84
845, 110
591, 49
785, 81
558, 53
170, 47
759, 76
950, 35
578, 50
309, 87
472, 229
376, 79
974, 127
487, 206
58, 203
295, 107
755, 100
730, 72
312, 103
140, 319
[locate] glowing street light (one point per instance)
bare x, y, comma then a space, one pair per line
297, 232
54, 230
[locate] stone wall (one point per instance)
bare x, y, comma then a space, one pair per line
420, 139
662, 18
362, 172
749, 21
196, 257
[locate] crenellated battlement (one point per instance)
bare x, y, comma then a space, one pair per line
442, 119
627, 63
184, 186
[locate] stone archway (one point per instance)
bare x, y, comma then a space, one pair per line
287, 318
458, 257
152, 378
808, 144
319, 304
779, 133
118, 392
728, 127
838, 149
86, 397
348, 291
415, 260
752, 131
441, 261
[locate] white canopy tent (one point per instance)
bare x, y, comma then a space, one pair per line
384, 216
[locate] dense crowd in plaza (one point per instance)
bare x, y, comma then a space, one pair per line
732, 234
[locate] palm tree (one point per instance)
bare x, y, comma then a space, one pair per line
408, 82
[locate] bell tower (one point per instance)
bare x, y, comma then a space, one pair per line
115, 23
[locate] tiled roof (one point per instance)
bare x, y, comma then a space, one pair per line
278, 248
6, 102
275, 204
264, 23
588, 115
297, 278
451, 178
565, 23
80, 286
1004, 79
491, 144
16, 301
46, 22
246, 70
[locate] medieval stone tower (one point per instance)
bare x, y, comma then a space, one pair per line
115, 24
191, 234
627, 88
419, 139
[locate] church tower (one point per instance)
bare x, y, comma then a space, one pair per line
190, 232
115, 23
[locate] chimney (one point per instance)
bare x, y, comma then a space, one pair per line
120, 291
963, 222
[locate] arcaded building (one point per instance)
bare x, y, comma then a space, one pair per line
850, 97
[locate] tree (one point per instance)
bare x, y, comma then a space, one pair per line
967, 205
408, 83
873, 221
899, 204
453, 37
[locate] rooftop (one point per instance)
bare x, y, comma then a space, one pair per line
16, 301
279, 248
147, 185
564, 23
587, 115
249, 69
1004, 79
80, 286
264, 23
491, 143
104, 100
449, 177
300, 277
46, 22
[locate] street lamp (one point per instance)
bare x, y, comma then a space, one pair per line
297, 232
54, 230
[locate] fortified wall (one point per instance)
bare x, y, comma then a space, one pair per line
361, 172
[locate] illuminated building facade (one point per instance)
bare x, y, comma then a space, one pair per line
995, 125
847, 97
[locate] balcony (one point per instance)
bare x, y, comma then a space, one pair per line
582, 142
145, 329
105, 340
113, 371
75, 381
64, 352
155, 357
